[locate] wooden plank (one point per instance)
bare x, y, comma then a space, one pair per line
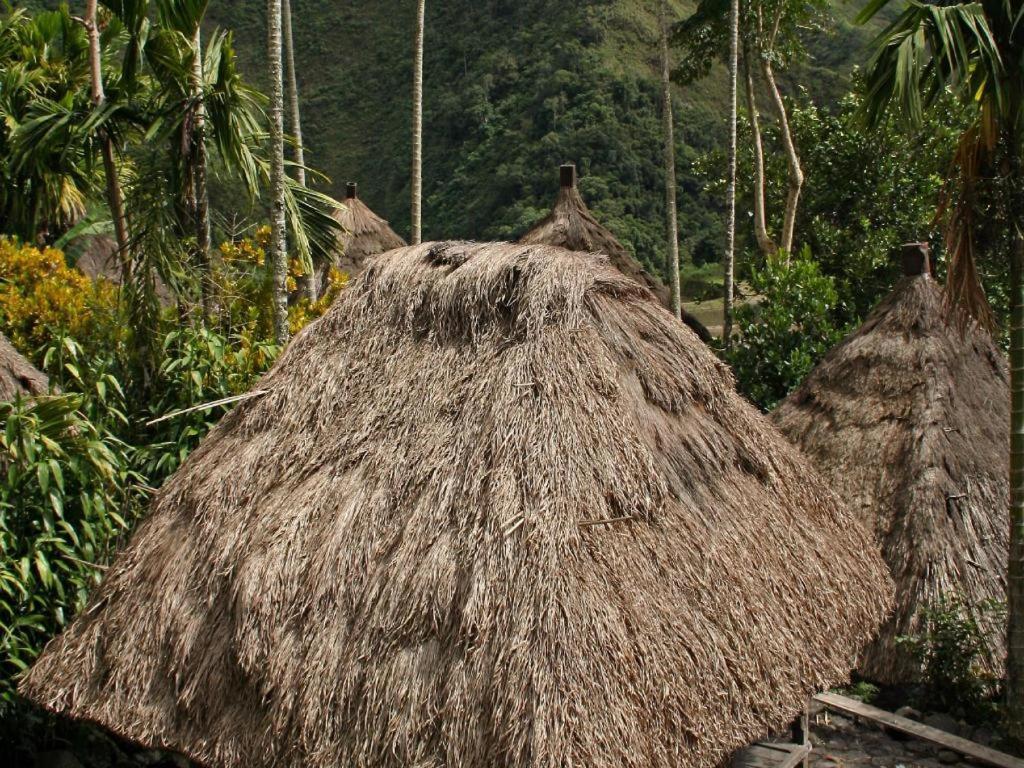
977, 752
769, 755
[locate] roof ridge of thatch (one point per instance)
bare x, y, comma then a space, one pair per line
497, 508
364, 233
18, 377
908, 417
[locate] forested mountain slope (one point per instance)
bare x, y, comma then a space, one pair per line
512, 89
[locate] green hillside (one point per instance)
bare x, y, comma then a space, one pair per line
512, 89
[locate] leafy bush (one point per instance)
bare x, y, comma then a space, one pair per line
200, 366
40, 296
951, 648
68, 494
783, 336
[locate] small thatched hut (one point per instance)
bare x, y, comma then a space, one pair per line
908, 418
363, 233
497, 508
17, 375
571, 225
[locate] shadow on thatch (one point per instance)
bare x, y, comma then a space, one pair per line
363, 233
17, 375
571, 225
498, 509
909, 420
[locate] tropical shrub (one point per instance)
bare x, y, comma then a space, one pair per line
783, 336
68, 494
951, 647
41, 298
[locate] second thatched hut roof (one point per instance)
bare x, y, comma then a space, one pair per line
18, 377
498, 508
908, 418
571, 225
363, 233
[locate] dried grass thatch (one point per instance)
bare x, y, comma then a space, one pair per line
17, 375
571, 225
99, 260
909, 420
498, 509
363, 233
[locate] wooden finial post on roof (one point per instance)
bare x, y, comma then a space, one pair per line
567, 175
916, 259
351, 191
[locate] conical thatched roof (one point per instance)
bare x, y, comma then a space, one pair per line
571, 225
497, 509
909, 420
99, 260
17, 375
364, 233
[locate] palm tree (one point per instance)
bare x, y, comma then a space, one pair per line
200, 194
115, 196
730, 232
671, 213
293, 92
976, 51
417, 125
278, 255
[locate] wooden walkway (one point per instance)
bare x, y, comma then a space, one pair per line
976, 752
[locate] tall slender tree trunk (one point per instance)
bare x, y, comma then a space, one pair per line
671, 214
417, 125
277, 258
307, 283
796, 174
201, 210
730, 232
1015, 576
293, 92
764, 242
115, 196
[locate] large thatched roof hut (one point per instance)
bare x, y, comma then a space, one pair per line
909, 420
497, 509
17, 375
363, 233
571, 225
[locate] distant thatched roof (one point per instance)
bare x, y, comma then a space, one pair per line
17, 375
498, 509
909, 420
571, 225
364, 233
99, 260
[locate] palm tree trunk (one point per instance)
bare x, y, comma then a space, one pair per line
293, 92
115, 196
417, 126
671, 214
1015, 576
307, 282
764, 242
730, 232
277, 258
202, 195
796, 174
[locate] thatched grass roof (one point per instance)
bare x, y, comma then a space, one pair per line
99, 260
571, 225
17, 375
363, 234
498, 509
909, 421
